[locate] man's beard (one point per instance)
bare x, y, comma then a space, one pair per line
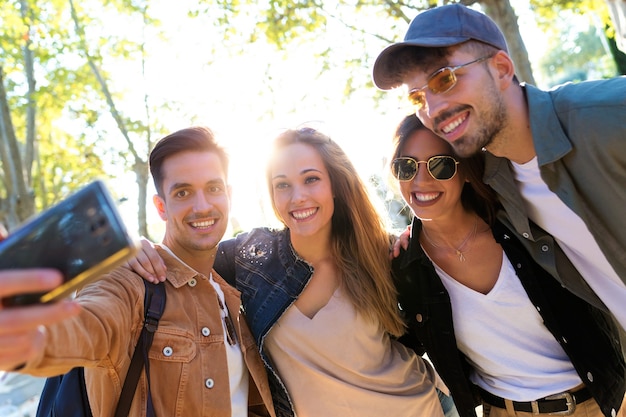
492, 123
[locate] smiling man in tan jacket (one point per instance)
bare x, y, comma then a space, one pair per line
203, 361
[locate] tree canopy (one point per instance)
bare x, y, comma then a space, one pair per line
87, 87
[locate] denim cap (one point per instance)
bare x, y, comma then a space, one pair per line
439, 27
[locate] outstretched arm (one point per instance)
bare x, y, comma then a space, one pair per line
21, 328
225, 260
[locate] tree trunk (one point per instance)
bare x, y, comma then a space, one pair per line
617, 10
140, 165
504, 16
141, 173
31, 106
20, 200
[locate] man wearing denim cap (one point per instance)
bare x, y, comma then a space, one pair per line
556, 158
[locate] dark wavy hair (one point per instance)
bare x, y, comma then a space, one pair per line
407, 60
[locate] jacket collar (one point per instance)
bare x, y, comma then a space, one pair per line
178, 272
551, 142
289, 258
414, 252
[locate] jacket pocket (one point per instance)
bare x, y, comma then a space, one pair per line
171, 358
172, 345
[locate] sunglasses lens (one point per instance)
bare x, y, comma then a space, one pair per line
416, 98
442, 167
404, 169
442, 81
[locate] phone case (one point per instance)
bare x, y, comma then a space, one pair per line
83, 236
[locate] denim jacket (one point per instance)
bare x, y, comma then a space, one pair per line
586, 333
264, 267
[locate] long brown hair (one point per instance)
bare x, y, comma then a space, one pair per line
360, 242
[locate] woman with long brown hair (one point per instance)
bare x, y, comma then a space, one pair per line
319, 296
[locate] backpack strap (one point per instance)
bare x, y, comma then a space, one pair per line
154, 305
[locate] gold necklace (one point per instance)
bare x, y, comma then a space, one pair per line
458, 250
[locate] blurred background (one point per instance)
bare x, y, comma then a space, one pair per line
87, 87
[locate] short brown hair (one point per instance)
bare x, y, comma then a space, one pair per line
195, 139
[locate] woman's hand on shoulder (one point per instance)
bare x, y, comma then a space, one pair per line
401, 241
147, 263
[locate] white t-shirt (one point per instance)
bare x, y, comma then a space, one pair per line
237, 371
548, 211
512, 353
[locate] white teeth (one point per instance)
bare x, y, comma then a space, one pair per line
425, 197
303, 214
451, 126
205, 223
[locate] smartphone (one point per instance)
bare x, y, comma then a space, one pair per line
83, 236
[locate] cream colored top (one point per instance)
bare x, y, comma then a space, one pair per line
339, 364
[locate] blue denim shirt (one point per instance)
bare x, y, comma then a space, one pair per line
264, 267
579, 134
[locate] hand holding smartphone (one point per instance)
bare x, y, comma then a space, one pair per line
83, 237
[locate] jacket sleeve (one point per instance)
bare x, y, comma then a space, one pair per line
102, 335
224, 263
409, 338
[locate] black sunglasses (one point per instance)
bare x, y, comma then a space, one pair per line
440, 167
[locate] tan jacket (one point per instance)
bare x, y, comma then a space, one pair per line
188, 369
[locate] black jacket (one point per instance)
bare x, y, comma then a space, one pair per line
588, 335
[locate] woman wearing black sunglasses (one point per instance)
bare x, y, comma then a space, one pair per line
496, 326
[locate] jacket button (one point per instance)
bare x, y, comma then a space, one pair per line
168, 351
192, 282
209, 383
206, 331
544, 248
613, 412
590, 376
526, 235
419, 317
